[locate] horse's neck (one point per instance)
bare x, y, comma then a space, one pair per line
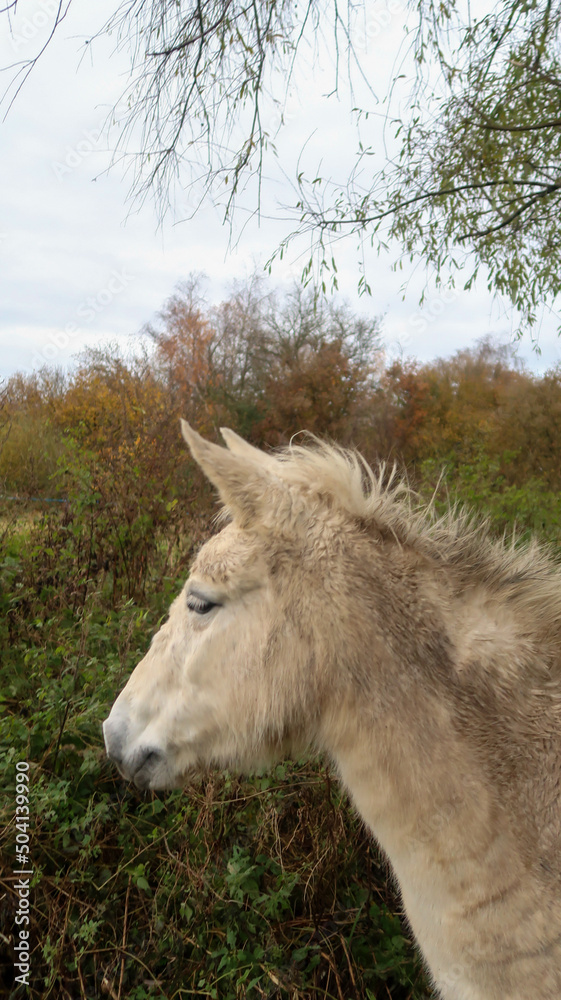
468, 894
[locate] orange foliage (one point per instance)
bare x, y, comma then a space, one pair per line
319, 392
108, 433
449, 407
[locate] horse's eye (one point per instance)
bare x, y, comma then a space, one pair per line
199, 605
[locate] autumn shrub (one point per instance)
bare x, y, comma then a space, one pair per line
30, 441
527, 430
265, 365
480, 430
451, 406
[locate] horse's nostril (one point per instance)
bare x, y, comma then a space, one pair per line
143, 766
146, 759
150, 756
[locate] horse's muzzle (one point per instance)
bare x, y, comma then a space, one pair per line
143, 765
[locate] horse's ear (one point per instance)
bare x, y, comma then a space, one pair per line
242, 474
238, 446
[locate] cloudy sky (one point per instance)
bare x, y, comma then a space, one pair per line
79, 266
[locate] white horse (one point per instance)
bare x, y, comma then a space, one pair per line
419, 655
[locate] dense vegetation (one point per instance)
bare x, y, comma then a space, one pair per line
230, 889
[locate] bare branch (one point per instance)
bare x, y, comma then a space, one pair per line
28, 65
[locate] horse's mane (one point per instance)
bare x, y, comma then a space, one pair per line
383, 500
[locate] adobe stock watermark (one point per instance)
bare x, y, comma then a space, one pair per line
90, 140
75, 155
87, 312
283, 114
377, 21
435, 306
420, 321
29, 28
22, 872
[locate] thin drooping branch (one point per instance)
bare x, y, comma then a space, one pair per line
476, 175
25, 67
494, 127
509, 219
326, 222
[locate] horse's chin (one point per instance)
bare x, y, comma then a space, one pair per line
159, 774
162, 782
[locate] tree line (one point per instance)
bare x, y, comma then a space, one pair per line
270, 366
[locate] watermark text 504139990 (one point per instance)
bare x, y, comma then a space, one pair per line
22, 872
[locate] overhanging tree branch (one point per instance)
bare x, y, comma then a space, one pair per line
478, 155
